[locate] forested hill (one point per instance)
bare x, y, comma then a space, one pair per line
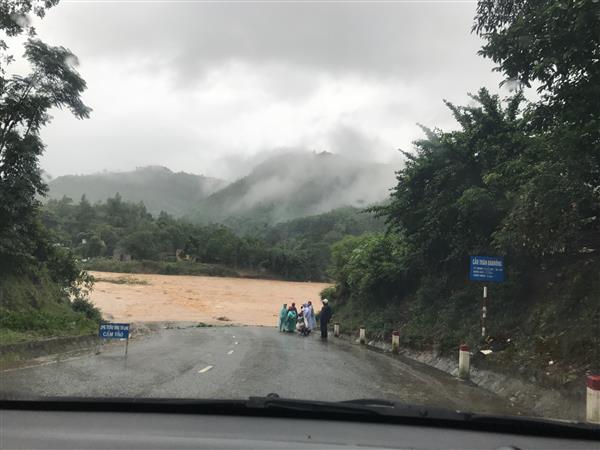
295, 185
157, 187
283, 188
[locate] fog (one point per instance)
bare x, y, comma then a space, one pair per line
298, 184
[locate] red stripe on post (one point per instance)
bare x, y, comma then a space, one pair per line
464, 348
396, 333
593, 382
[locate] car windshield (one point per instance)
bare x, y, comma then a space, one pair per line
324, 200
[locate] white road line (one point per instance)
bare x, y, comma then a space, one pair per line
233, 337
206, 369
236, 343
230, 352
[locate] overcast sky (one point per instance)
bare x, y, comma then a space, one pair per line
205, 87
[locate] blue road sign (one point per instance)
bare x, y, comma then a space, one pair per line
487, 268
114, 331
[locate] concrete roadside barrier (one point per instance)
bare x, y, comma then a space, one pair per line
593, 399
336, 329
362, 335
395, 341
463, 362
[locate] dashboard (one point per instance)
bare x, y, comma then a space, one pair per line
35, 429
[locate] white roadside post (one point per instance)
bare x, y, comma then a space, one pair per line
463, 362
362, 335
593, 399
395, 341
336, 329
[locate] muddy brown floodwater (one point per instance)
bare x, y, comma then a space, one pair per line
213, 300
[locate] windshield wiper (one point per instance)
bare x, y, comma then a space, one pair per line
374, 407
276, 403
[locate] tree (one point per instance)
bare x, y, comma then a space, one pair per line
85, 215
13, 15
24, 105
141, 244
555, 44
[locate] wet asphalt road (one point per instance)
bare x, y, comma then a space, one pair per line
237, 362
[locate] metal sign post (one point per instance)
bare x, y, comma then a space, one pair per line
486, 268
483, 312
115, 331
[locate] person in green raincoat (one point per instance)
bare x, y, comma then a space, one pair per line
290, 323
283, 317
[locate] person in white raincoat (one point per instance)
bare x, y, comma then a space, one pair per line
309, 317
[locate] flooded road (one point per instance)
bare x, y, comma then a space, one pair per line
237, 362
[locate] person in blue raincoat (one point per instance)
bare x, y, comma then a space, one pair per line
292, 318
283, 317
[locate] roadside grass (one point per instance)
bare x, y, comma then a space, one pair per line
552, 323
37, 308
33, 324
121, 280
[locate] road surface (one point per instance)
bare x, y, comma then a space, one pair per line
237, 362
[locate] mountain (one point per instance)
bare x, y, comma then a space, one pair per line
295, 185
158, 187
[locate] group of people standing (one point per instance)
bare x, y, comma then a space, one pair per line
304, 321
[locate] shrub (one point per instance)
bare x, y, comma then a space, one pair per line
83, 305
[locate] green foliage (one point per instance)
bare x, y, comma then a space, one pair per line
24, 105
297, 250
38, 277
128, 279
35, 306
553, 43
13, 16
84, 306
517, 179
370, 267
493, 187
159, 267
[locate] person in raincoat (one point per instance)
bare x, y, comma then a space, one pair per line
292, 318
312, 323
325, 317
282, 317
309, 318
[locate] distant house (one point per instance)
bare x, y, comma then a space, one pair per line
121, 255
180, 255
